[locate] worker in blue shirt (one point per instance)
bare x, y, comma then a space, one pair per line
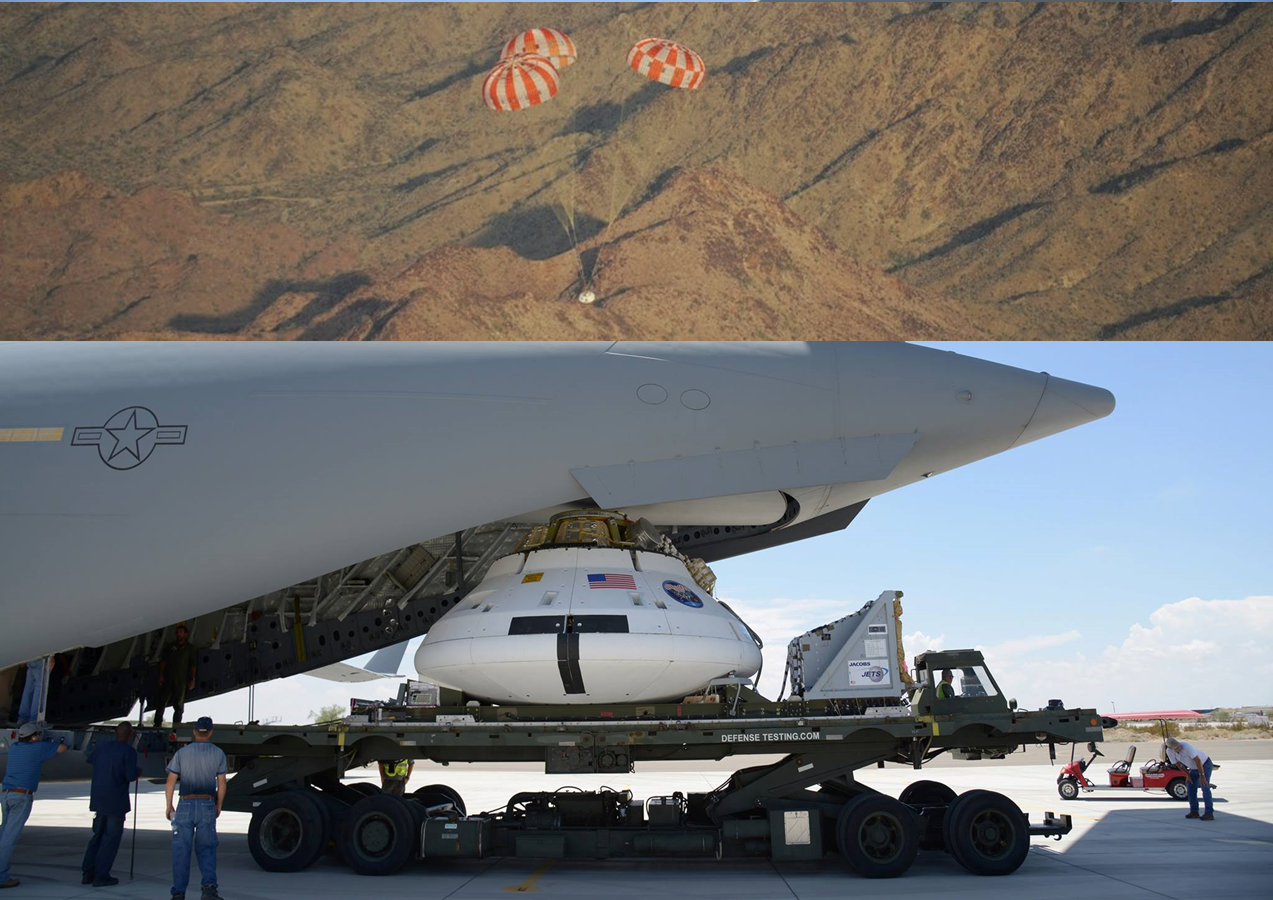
21, 778
200, 767
114, 769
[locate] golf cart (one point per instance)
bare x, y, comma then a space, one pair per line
1155, 775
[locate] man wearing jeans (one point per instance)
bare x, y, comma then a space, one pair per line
200, 767
1199, 765
21, 778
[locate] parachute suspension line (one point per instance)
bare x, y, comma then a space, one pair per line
612, 212
527, 76
569, 223
681, 70
613, 209
538, 158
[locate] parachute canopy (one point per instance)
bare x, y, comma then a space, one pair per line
520, 81
667, 62
553, 45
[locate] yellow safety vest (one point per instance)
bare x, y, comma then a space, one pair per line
397, 769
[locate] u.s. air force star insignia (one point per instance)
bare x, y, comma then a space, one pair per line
128, 437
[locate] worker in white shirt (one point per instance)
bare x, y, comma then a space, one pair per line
1199, 765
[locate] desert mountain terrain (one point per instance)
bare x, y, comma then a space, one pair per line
846, 170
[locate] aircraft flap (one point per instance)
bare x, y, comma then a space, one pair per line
383, 664
794, 465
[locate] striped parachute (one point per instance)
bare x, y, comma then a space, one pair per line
667, 62
520, 81
550, 43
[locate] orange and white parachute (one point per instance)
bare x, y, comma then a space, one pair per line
668, 62
519, 82
554, 45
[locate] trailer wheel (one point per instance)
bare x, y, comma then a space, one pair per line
365, 788
927, 793
932, 798
877, 835
1179, 789
437, 794
288, 831
1068, 789
987, 833
379, 835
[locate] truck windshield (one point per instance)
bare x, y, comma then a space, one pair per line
972, 681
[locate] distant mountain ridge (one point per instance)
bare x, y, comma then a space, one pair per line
1002, 170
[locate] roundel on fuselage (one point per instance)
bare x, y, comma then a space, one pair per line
681, 594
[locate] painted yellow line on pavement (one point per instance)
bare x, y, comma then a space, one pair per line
528, 886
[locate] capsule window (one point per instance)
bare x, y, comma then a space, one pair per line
658, 601
636, 598
549, 597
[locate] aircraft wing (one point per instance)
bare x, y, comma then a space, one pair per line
384, 663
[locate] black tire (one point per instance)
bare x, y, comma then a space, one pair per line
288, 831
928, 793
987, 833
877, 836
1068, 788
379, 835
1179, 789
437, 794
365, 788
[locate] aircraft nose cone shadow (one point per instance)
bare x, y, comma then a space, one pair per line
1066, 404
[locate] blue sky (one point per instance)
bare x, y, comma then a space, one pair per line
1129, 561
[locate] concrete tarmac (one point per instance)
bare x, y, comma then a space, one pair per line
1132, 845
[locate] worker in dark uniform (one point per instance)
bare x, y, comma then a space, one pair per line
114, 769
946, 689
176, 676
394, 775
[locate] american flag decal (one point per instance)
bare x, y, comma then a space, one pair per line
622, 582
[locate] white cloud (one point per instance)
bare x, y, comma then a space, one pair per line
917, 642
1195, 653
1023, 646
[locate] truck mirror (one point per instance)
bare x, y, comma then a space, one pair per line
1091, 746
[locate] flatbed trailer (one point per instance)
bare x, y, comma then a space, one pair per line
800, 807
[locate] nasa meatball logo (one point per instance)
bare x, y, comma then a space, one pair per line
681, 594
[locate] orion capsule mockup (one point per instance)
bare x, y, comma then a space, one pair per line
591, 608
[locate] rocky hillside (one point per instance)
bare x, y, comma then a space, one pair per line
912, 170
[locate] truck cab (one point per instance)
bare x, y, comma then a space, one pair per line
975, 689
